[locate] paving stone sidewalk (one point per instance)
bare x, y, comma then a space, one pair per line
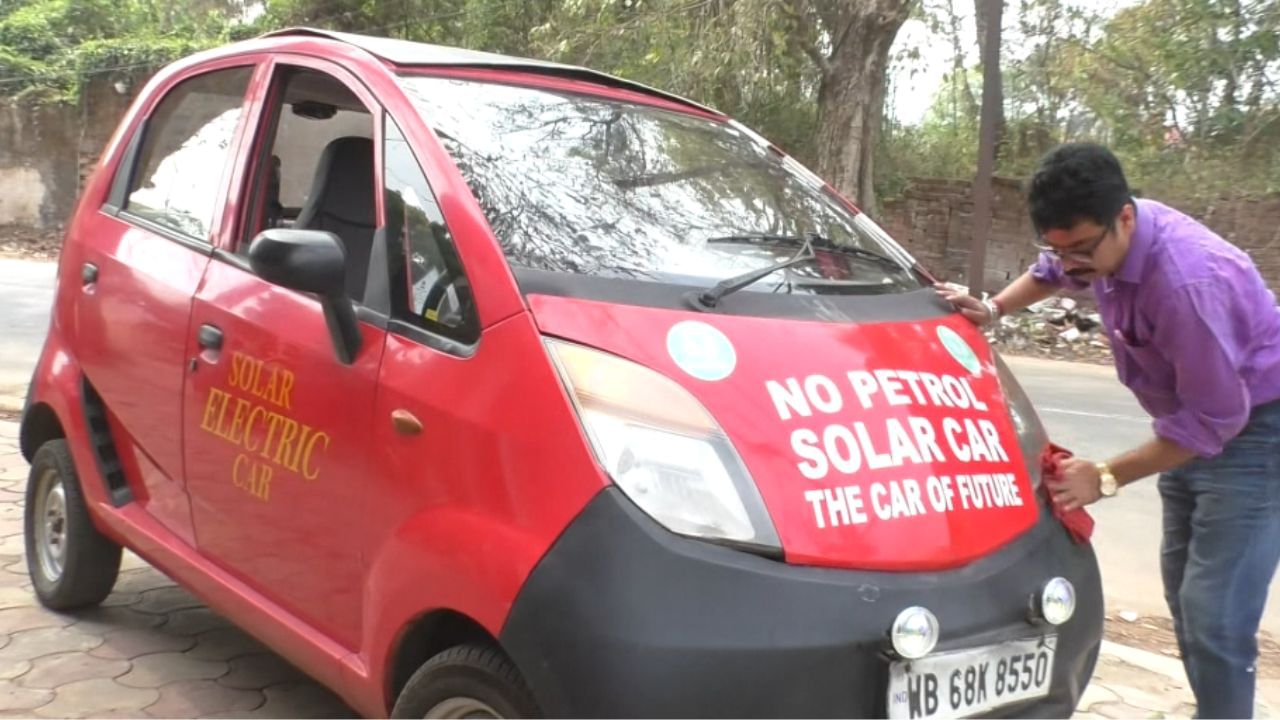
154, 650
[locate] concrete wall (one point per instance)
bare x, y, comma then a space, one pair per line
38, 165
47, 150
934, 220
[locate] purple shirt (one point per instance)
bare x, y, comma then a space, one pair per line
1194, 329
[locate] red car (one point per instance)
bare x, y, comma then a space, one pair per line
480, 386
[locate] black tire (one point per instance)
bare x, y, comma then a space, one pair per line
89, 561
476, 673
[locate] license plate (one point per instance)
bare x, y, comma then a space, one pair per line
971, 681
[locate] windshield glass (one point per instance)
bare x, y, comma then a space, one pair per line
582, 184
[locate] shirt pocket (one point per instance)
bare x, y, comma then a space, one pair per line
1143, 369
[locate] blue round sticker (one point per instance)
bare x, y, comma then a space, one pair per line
959, 349
701, 350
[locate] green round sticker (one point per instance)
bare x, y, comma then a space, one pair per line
701, 350
959, 349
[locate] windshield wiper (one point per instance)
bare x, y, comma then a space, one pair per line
818, 240
710, 297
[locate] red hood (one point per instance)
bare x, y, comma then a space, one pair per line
872, 445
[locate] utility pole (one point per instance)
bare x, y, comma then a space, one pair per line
986, 149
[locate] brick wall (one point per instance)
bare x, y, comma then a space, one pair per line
934, 220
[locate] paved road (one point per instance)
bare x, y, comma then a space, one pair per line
26, 291
1089, 412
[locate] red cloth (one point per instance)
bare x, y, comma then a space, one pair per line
1079, 522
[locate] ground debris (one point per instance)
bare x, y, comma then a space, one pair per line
28, 242
1060, 328
1155, 634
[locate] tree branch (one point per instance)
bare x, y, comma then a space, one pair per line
1133, 68
1258, 130
828, 11
807, 37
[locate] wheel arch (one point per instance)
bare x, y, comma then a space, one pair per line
40, 424
426, 636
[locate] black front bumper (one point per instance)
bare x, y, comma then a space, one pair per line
623, 618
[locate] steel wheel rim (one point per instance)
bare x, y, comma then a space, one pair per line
51, 525
462, 707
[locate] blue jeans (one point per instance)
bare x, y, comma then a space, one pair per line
1220, 550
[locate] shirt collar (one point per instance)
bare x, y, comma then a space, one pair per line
1135, 259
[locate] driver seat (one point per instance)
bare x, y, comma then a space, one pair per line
341, 201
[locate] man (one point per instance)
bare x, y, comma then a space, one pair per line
1195, 333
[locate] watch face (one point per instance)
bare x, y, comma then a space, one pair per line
1107, 485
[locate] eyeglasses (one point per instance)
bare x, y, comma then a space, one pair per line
1081, 252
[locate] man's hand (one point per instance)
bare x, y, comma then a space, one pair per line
1079, 484
972, 308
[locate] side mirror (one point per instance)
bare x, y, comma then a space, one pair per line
311, 261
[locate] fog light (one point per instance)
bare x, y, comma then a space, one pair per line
915, 633
1057, 601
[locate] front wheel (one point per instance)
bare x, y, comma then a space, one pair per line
71, 564
467, 681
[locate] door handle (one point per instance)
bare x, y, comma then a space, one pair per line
405, 422
209, 337
88, 274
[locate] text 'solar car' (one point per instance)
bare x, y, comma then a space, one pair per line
476, 385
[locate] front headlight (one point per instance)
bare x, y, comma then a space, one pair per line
663, 449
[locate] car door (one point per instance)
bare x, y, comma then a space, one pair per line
140, 260
277, 426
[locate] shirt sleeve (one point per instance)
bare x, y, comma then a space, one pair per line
1197, 332
1048, 269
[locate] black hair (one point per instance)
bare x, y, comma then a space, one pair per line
1076, 182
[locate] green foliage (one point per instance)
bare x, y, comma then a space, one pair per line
734, 55
49, 47
1182, 90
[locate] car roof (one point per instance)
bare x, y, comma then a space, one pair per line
408, 53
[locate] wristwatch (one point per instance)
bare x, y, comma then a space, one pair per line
1107, 484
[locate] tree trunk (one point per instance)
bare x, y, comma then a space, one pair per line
957, 59
1234, 67
981, 16
852, 92
986, 149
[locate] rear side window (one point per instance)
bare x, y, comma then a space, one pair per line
179, 171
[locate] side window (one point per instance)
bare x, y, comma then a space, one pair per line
179, 170
429, 287
316, 171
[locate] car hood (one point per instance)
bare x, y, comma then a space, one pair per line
874, 445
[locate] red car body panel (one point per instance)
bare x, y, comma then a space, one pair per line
498, 472
277, 447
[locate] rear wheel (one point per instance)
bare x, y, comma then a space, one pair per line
71, 564
467, 681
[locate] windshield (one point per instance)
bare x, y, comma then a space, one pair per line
588, 185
